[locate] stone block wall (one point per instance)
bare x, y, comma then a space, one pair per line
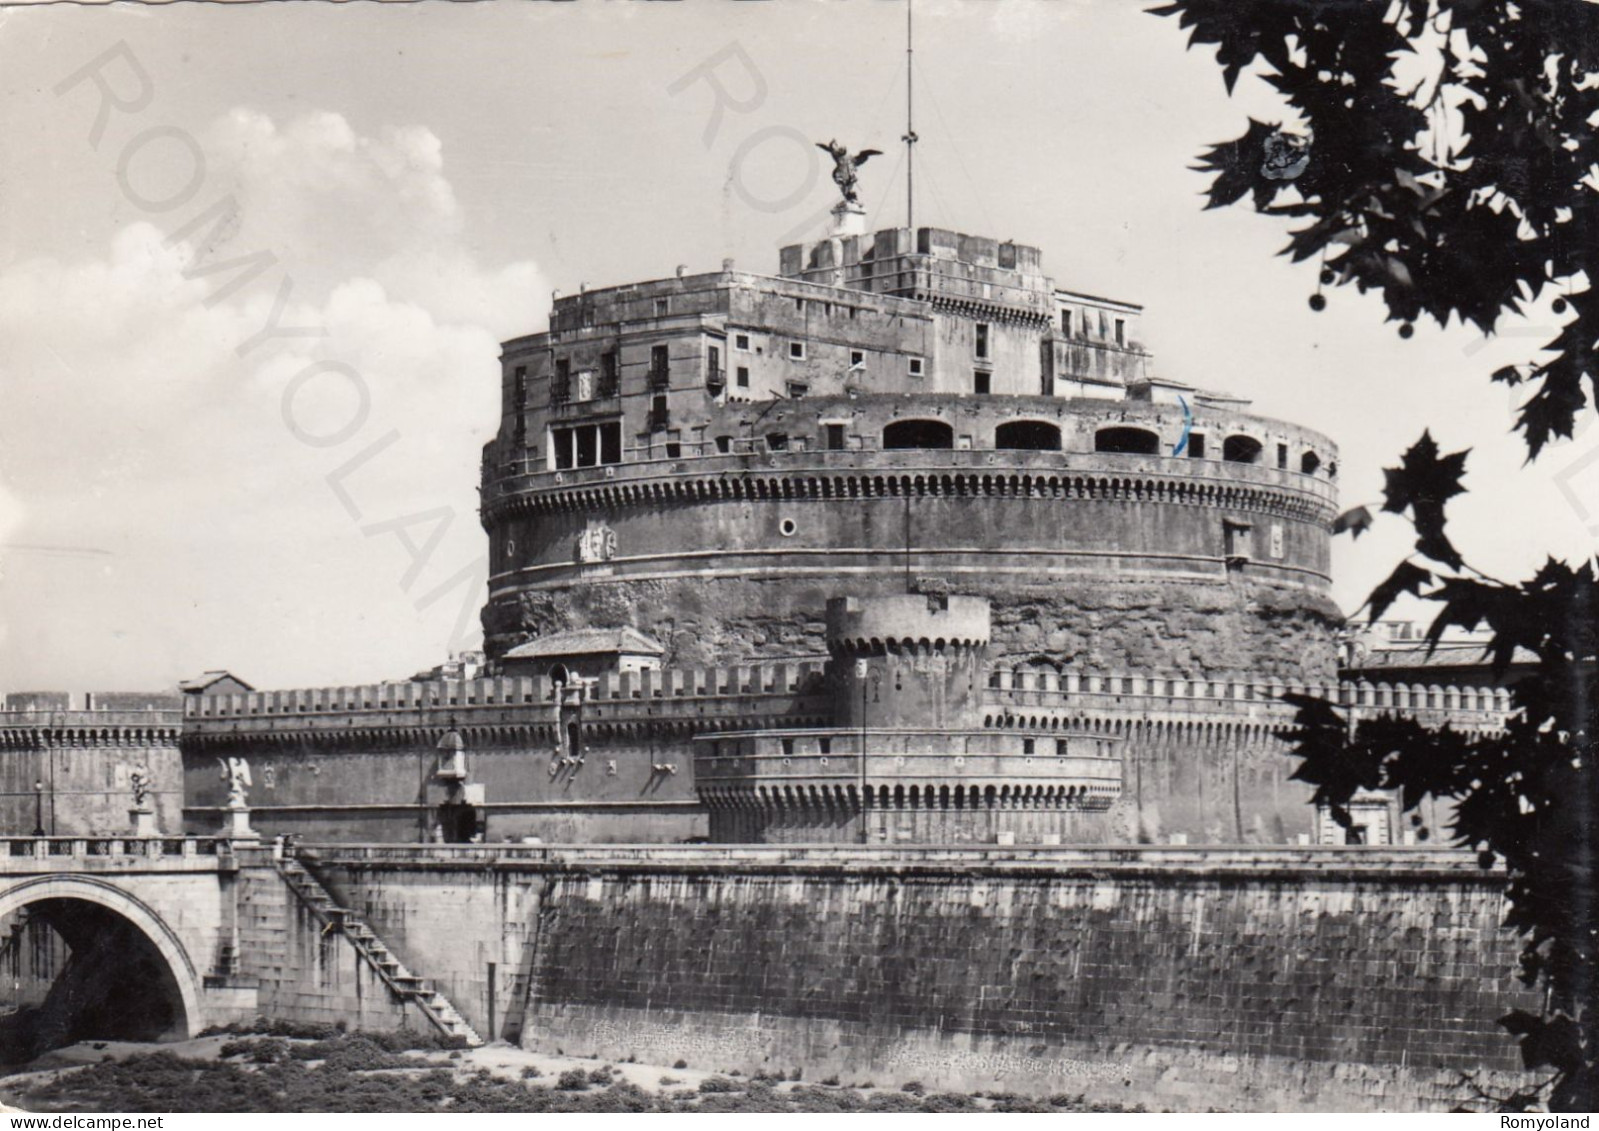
1353, 979
303, 974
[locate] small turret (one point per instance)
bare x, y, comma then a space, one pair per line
908, 660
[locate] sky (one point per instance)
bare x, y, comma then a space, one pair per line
255, 261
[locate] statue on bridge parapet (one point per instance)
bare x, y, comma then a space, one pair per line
140, 813
236, 824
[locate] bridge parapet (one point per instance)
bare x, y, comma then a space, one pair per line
94, 854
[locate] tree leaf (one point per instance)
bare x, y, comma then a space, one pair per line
1406, 578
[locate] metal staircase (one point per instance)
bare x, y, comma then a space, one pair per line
404, 984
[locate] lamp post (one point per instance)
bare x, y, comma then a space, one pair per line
38, 807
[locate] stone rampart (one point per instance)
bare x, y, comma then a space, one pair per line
1242, 979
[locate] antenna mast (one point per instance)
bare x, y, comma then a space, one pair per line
910, 138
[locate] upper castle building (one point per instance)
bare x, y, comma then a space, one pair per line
707, 458
903, 543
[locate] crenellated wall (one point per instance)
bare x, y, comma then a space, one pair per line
71, 770
1200, 757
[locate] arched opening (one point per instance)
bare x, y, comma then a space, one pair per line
1127, 441
1028, 436
1309, 463
95, 964
1241, 449
559, 676
918, 434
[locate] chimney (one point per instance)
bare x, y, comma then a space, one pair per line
682, 269
727, 264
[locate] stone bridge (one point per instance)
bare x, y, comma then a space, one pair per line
149, 937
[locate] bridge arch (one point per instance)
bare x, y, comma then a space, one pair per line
144, 918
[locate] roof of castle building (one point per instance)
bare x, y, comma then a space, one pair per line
588, 642
208, 682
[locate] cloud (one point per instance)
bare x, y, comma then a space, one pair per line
138, 420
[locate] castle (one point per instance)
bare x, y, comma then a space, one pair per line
904, 544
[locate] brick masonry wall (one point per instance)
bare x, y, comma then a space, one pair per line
1272, 980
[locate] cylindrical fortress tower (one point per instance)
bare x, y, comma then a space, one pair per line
707, 459
908, 759
908, 660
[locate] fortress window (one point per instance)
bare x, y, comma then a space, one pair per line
918, 434
981, 340
610, 374
1028, 436
611, 442
1309, 463
561, 385
914, 366
797, 389
1066, 323
588, 446
857, 358
1196, 445
835, 437
1060, 748
777, 441
660, 368
724, 444
1028, 745
741, 342
788, 747
561, 448
715, 380
662, 308
1121, 331
796, 351
674, 444
824, 745
1235, 541
1241, 449
1282, 457
1127, 441
743, 376
982, 381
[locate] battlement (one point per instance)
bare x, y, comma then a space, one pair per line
906, 620
772, 688
463, 697
32, 729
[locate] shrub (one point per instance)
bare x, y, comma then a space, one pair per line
949, 1101
532, 1072
680, 1063
915, 1088
712, 1084
891, 1101
573, 1080
600, 1076
668, 1081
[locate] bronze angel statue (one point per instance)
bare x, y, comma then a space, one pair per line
844, 167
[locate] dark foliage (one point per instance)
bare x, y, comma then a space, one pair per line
1462, 196
163, 1082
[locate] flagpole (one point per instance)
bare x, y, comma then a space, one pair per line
910, 131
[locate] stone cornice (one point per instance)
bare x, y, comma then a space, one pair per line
688, 489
